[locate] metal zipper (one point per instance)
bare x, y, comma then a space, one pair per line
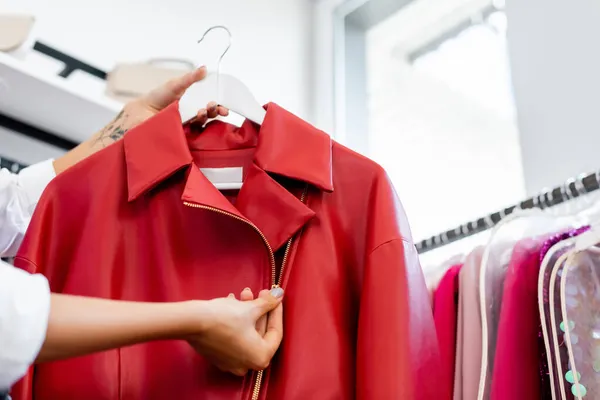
275, 280
276, 283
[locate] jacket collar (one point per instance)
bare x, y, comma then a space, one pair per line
286, 146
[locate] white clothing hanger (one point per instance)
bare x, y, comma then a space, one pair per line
227, 90
231, 93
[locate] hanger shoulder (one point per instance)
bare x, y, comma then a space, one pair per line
234, 95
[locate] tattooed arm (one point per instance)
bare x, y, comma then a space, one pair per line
136, 112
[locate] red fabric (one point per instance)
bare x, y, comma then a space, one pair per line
128, 223
445, 315
516, 363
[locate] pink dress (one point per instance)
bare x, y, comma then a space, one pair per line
445, 309
468, 336
516, 362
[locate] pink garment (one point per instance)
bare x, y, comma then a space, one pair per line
445, 310
433, 276
469, 334
516, 363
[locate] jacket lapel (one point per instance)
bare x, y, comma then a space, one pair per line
278, 213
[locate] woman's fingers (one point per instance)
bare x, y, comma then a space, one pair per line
223, 112
178, 86
261, 324
239, 371
246, 295
212, 109
201, 117
274, 333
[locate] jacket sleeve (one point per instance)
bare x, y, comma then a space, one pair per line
397, 350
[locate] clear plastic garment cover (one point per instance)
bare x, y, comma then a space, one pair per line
496, 257
579, 294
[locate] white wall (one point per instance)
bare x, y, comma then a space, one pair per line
271, 50
323, 65
556, 74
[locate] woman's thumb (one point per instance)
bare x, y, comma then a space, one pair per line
267, 301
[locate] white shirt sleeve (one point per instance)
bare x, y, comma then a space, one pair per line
24, 312
19, 194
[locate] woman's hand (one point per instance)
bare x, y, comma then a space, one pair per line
136, 112
232, 335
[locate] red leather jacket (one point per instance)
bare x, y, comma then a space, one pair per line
139, 221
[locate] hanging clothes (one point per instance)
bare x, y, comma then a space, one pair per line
469, 334
555, 345
547, 378
580, 322
139, 221
494, 265
445, 311
538, 329
434, 276
517, 357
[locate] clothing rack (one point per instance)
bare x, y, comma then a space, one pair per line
572, 188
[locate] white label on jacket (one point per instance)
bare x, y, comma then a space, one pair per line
224, 176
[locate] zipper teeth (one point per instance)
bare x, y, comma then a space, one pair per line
275, 280
257, 385
276, 283
288, 247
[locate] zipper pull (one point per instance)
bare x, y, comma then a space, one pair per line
275, 286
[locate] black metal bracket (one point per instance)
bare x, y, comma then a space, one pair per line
72, 64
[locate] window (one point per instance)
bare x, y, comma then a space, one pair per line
441, 114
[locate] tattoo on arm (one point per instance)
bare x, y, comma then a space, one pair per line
113, 131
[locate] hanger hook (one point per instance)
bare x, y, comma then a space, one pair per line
564, 193
579, 185
548, 197
543, 198
489, 222
535, 202
222, 54
226, 48
568, 187
444, 237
